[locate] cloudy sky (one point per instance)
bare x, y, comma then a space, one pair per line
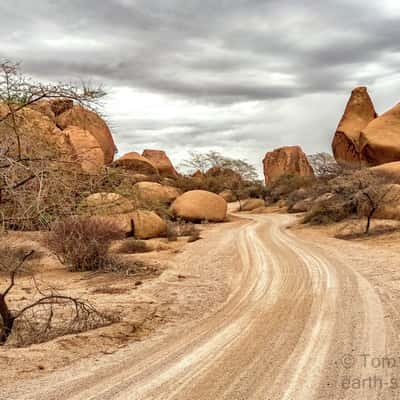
237, 76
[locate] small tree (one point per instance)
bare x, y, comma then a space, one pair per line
212, 159
324, 165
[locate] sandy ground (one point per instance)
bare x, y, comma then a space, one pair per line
174, 291
264, 312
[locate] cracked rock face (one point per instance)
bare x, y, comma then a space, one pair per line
359, 112
289, 160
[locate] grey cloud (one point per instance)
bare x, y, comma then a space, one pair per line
217, 53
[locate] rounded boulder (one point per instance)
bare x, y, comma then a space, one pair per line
200, 205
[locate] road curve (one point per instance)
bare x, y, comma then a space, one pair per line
293, 328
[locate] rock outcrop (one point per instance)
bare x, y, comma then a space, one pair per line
358, 114
86, 149
152, 192
200, 205
79, 134
136, 163
289, 160
161, 161
92, 122
106, 204
380, 140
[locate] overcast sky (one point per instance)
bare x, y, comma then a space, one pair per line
238, 76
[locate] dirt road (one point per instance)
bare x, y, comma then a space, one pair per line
298, 324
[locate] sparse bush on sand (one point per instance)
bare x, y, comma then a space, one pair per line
82, 243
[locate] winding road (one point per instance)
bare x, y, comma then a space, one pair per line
297, 325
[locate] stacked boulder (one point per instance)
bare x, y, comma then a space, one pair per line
79, 134
161, 161
365, 139
358, 114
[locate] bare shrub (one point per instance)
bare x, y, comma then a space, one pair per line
287, 184
46, 315
328, 213
127, 267
172, 232
82, 243
180, 228
132, 246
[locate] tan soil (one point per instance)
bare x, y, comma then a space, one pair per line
264, 312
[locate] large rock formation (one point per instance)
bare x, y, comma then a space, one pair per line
79, 134
90, 121
152, 192
380, 140
286, 161
161, 161
200, 205
358, 114
137, 164
86, 149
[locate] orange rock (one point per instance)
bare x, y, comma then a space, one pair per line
380, 140
389, 170
85, 148
91, 122
161, 161
358, 114
199, 205
286, 161
136, 163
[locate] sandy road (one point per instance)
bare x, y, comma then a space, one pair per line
295, 325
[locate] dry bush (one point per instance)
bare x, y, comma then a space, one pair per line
56, 315
133, 246
128, 268
172, 232
82, 243
46, 314
180, 228
328, 213
287, 184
